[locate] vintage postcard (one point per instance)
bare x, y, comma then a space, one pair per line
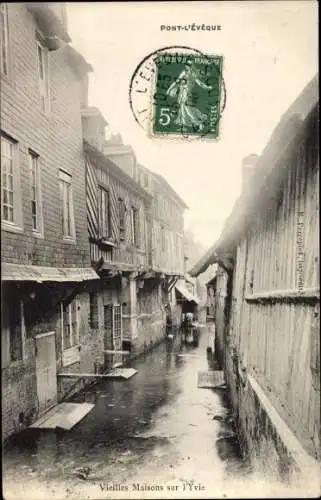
160, 303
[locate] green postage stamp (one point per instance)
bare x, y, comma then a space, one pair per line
187, 99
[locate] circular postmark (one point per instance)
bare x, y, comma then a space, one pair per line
178, 91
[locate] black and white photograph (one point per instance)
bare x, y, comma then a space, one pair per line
160, 294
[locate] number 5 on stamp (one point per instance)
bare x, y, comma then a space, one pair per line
191, 102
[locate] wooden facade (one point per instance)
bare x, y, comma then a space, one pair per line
275, 298
166, 215
125, 240
167, 228
267, 298
144, 244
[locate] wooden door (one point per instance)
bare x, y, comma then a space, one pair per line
108, 327
46, 371
117, 334
113, 334
117, 328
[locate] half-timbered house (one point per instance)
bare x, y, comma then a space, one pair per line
165, 220
267, 296
128, 299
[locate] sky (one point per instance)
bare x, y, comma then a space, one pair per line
270, 52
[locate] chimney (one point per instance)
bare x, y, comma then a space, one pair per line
93, 127
248, 167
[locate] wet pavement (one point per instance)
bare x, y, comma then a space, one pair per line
156, 435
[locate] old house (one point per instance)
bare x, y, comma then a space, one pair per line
210, 301
167, 240
117, 208
267, 296
45, 249
165, 232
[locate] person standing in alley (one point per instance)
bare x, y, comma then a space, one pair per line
169, 321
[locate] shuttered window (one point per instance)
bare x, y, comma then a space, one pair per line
36, 202
104, 213
122, 214
134, 226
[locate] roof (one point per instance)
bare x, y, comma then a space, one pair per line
169, 189
264, 177
48, 21
77, 60
92, 111
39, 274
114, 146
116, 170
181, 288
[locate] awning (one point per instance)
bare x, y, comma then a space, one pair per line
181, 288
39, 274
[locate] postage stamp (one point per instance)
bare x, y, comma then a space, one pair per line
188, 95
192, 108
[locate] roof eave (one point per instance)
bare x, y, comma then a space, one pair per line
78, 61
47, 20
285, 133
119, 173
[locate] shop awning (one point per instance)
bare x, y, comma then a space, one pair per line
39, 274
181, 288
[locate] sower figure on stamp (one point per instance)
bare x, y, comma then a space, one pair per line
181, 89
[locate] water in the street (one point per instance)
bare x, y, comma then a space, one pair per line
153, 435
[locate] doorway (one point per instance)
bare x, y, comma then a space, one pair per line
46, 370
113, 334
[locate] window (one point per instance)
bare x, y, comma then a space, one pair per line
122, 214
163, 238
11, 214
134, 226
145, 180
178, 246
4, 38
67, 206
42, 60
104, 213
36, 204
93, 310
70, 329
7, 163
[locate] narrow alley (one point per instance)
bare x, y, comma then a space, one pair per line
157, 424
160, 260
